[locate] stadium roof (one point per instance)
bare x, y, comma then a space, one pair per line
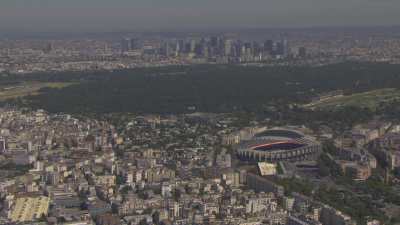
277, 146
280, 133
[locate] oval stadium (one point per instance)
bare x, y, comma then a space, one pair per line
279, 145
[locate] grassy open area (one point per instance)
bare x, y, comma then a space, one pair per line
28, 88
370, 99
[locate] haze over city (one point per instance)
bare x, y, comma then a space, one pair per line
105, 15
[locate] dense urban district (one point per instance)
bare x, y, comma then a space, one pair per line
285, 132
27, 53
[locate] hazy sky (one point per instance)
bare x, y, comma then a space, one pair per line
171, 14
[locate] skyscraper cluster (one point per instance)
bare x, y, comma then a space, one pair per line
130, 44
217, 49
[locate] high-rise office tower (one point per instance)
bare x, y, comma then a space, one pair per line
302, 52
125, 45
279, 48
257, 49
269, 46
48, 48
192, 45
135, 44
177, 48
214, 42
180, 46
205, 51
187, 47
166, 49
285, 48
227, 47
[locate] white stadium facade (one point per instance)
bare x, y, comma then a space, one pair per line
277, 145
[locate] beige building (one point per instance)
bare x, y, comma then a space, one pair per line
355, 170
267, 169
158, 174
30, 208
106, 180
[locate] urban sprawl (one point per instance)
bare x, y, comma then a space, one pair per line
189, 169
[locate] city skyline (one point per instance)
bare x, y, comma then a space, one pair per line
102, 15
